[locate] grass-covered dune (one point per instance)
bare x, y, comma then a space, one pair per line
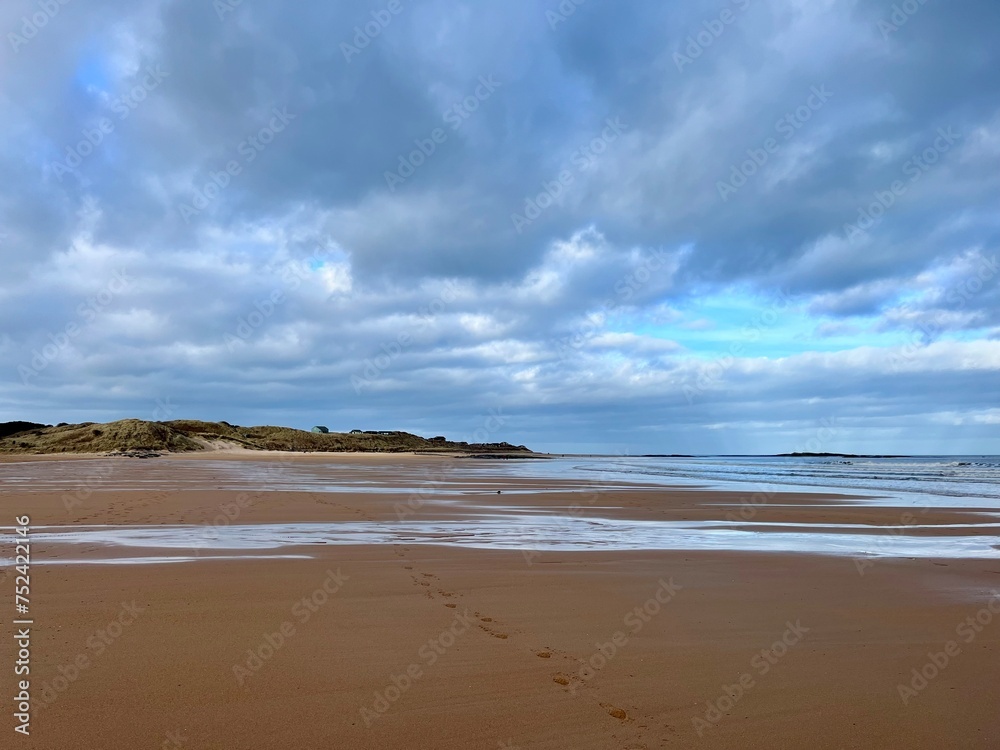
189, 435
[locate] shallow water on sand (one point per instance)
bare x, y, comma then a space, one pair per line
529, 533
444, 476
455, 483
932, 481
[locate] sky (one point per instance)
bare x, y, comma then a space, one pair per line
737, 226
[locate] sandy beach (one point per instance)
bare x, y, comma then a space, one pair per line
416, 645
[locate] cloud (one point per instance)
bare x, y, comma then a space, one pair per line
300, 264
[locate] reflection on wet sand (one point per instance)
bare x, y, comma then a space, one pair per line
533, 505
517, 531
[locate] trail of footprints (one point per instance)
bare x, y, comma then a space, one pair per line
91, 510
430, 583
320, 498
567, 678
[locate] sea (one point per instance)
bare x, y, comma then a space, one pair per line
949, 480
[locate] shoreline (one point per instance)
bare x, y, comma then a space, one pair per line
239, 454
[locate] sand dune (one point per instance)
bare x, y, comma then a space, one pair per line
179, 436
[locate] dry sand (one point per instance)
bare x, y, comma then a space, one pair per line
495, 646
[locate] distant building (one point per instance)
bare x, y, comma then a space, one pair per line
322, 430
356, 432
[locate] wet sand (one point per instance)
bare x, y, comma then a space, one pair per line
426, 646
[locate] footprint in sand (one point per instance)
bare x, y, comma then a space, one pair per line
552, 653
618, 713
501, 636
